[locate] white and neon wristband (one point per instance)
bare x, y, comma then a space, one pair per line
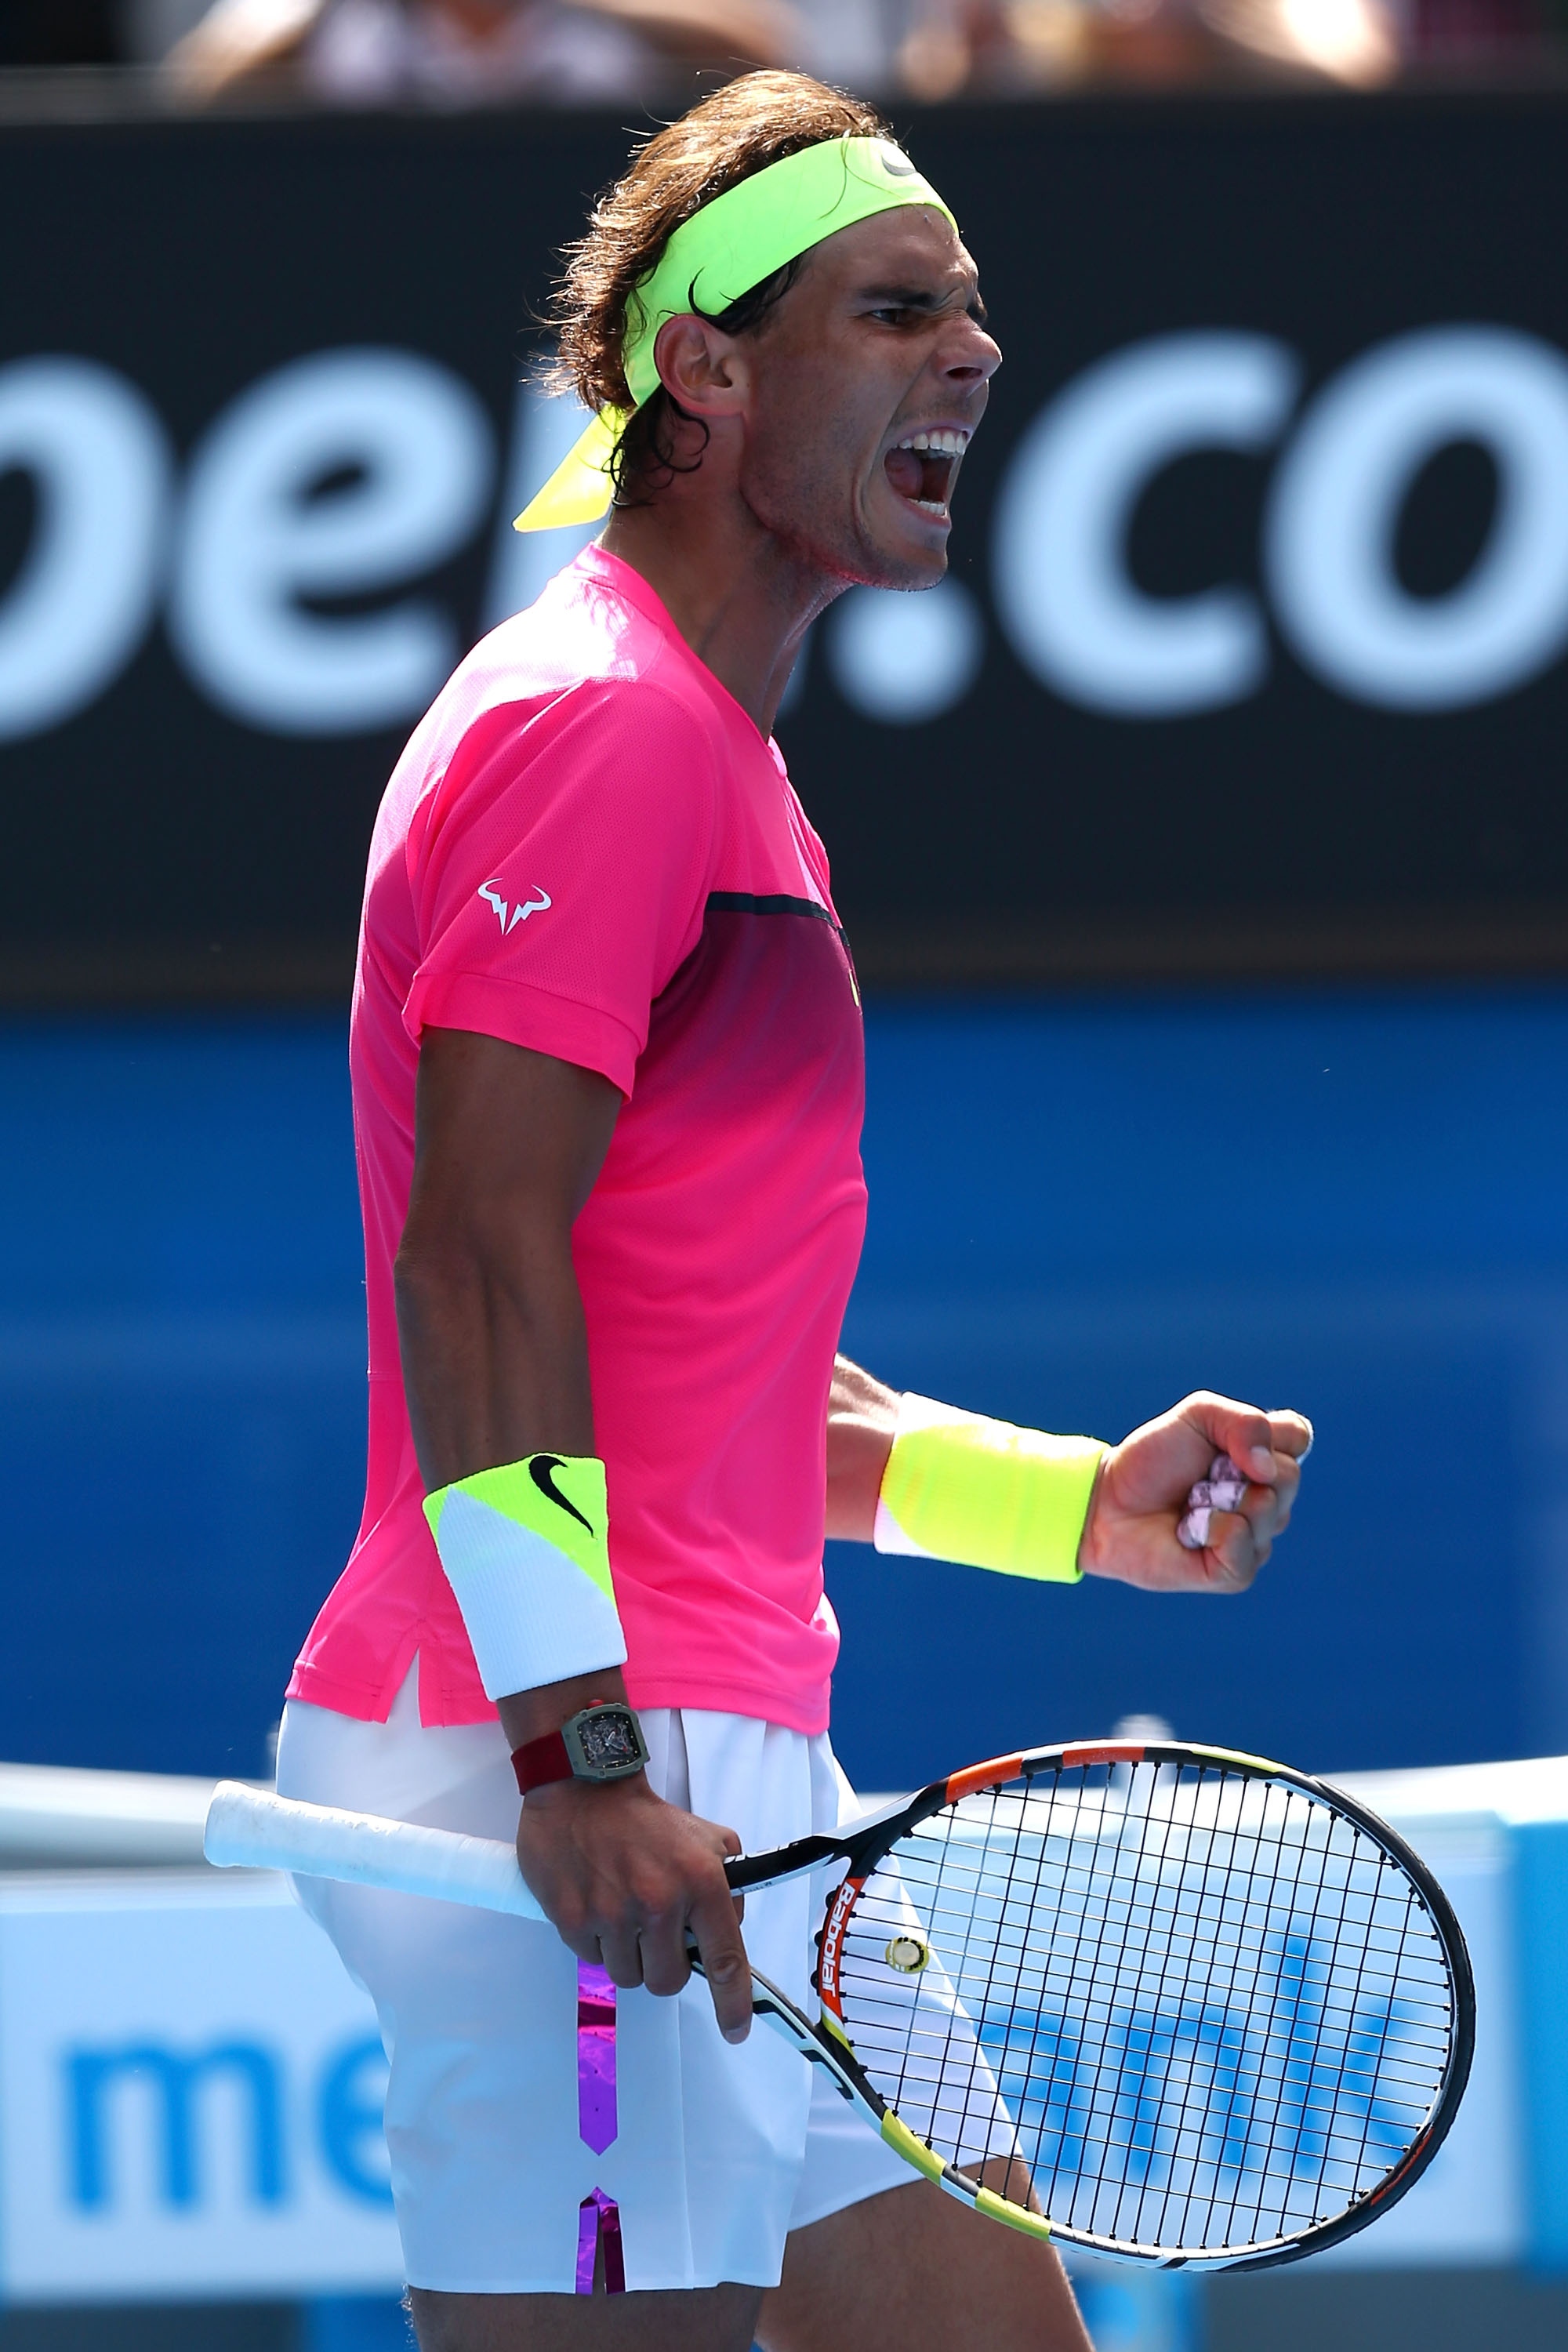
526, 1551
985, 1494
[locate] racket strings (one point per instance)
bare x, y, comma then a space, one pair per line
1204, 2008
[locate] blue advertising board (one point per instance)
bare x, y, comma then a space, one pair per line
193, 2085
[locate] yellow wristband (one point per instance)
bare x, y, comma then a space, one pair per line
958, 1486
526, 1551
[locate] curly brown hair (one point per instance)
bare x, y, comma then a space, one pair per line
749, 123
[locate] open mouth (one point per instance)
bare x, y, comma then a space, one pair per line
924, 468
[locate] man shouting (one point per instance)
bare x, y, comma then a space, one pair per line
607, 1073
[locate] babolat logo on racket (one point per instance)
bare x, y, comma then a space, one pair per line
843, 1902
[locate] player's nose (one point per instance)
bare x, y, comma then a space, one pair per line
970, 356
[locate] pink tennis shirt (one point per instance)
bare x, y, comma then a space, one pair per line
587, 849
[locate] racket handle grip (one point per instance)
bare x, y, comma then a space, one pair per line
250, 1829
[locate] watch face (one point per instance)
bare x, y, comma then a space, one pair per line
609, 1741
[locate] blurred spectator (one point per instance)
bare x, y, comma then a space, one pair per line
467, 51
990, 47
1354, 41
999, 45
471, 52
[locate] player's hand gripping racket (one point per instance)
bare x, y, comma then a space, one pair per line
1214, 2012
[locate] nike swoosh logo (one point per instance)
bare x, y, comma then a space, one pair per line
539, 1469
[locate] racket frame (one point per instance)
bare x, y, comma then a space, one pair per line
828, 2043
247, 1827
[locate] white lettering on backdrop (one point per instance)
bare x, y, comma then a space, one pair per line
345, 478
267, 525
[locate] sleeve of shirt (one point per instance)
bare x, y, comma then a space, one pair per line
560, 876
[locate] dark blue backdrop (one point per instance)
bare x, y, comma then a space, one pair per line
1351, 1202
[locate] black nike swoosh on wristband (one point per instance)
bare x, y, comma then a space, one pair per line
540, 1467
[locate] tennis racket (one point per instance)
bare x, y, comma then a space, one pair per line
1164, 2003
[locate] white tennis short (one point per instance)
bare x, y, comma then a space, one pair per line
718, 2152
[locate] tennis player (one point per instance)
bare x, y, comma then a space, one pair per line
607, 1075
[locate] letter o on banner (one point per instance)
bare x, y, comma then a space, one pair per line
1336, 501
85, 593
265, 527
904, 658
1061, 585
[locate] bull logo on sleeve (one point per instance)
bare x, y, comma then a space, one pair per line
508, 917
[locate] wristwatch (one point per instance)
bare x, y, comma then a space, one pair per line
602, 1742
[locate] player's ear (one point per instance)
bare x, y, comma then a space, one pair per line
700, 366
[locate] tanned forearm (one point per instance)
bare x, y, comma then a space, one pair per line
861, 1412
496, 1366
495, 1357
508, 1145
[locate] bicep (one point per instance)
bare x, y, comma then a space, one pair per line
502, 1132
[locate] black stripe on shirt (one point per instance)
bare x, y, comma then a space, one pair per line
743, 902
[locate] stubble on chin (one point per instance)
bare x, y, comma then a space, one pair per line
908, 574
820, 523
821, 528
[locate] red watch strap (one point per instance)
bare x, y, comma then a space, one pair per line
538, 1761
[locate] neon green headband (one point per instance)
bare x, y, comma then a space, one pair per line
720, 253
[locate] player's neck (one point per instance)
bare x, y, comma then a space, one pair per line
739, 596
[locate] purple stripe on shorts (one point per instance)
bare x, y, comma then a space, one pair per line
595, 2057
598, 2216
599, 2222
